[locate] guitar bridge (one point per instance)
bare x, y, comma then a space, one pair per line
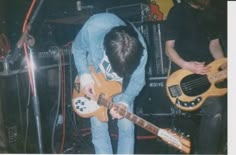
175, 91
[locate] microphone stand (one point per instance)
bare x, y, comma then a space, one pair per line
30, 42
36, 106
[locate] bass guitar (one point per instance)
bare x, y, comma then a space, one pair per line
86, 107
188, 91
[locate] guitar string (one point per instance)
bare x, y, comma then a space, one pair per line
188, 87
196, 82
143, 123
204, 78
146, 125
137, 120
124, 113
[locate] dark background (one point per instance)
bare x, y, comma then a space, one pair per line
13, 12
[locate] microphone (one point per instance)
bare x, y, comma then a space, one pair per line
25, 38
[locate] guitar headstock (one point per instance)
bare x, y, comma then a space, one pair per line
174, 139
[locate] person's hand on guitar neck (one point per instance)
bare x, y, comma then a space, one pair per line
114, 111
197, 67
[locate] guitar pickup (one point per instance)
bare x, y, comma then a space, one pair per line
77, 87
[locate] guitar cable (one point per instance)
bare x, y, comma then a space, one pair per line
69, 44
27, 117
62, 98
63, 102
58, 105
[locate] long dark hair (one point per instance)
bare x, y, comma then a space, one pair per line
123, 49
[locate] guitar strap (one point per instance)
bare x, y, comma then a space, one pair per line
125, 82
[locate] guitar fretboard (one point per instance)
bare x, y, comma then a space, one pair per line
132, 117
170, 138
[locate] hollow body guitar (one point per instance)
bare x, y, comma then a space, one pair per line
87, 107
188, 91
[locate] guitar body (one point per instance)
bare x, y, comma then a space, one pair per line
188, 91
105, 90
87, 107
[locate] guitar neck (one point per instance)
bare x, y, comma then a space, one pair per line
169, 137
132, 117
219, 76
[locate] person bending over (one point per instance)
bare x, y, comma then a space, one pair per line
117, 49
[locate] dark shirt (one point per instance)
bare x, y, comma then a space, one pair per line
191, 31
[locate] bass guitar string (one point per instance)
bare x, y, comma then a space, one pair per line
204, 78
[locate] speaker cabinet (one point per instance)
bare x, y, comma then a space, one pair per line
158, 62
153, 98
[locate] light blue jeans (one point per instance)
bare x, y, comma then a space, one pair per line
101, 138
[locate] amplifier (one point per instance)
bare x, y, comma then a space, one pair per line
158, 62
135, 13
159, 101
153, 98
42, 60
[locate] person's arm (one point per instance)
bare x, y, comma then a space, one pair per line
193, 66
216, 49
80, 50
173, 55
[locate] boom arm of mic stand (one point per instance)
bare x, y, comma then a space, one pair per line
23, 37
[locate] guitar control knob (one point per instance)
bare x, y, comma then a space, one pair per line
77, 102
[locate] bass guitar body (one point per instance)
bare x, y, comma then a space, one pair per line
188, 91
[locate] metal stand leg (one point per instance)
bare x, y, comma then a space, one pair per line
36, 106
